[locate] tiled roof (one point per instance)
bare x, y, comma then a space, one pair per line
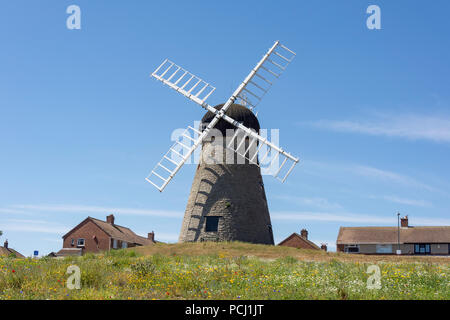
121, 233
7, 251
373, 235
69, 252
308, 242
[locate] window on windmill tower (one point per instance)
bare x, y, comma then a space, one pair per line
212, 224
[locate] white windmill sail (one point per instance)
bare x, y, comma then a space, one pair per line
174, 159
183, 81
197, 90
278, 59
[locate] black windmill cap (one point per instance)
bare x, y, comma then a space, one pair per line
238, 112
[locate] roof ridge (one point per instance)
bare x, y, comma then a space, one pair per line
370, 227
394, 227
117, 231
312, 243
113, 224
298, 235
420, 234
101, 227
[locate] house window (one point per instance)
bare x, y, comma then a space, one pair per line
80, 242
384, 248
422, 248
212, 224
124, 245
114, 243
72, 242
351, 248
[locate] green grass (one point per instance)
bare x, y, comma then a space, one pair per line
129, 274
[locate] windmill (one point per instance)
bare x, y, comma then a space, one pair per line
227, 201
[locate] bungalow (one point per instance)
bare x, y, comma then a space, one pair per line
94, 235
301, 241
387, 240
6, 251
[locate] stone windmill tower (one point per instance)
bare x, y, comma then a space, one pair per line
227, 200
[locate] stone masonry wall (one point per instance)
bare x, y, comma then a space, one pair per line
235, 193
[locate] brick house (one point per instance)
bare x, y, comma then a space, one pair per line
94, 235
6, 251
385, 240
300, 241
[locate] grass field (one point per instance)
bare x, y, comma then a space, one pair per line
225, 271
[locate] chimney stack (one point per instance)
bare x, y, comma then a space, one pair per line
6, 244
323, 247
404, 222
304, 234
110, 219
151, 236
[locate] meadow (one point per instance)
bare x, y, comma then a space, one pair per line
224, 271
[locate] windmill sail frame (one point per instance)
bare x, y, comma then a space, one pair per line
198, 90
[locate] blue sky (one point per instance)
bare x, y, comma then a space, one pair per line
82, 123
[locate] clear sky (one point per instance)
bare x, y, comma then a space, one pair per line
82, 123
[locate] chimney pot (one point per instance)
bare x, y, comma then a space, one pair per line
151, 236
304, 234
6, 244
110, 219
